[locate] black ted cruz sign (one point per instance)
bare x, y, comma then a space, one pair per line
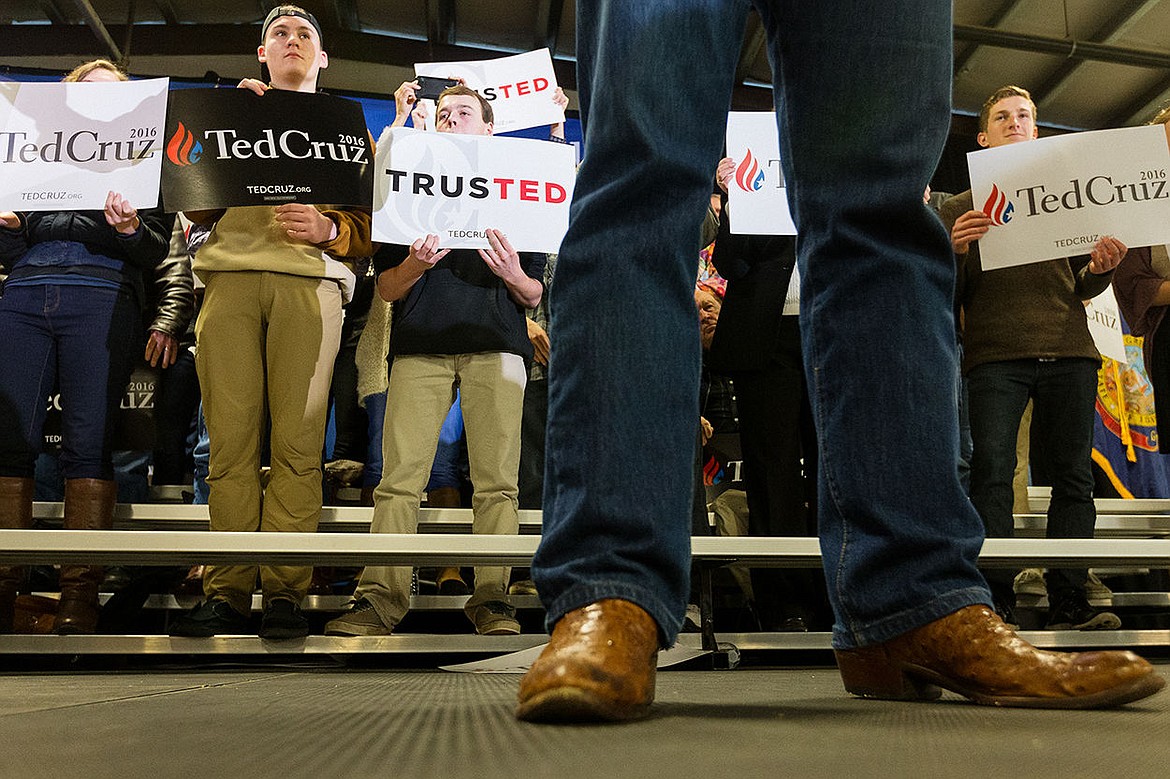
232, 147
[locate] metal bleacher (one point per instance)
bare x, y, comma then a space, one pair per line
1131, 536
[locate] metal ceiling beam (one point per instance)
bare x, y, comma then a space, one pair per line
1137, 111
95, 24
994, 20
548, 24
1073, 49
54, 12
441, 22
345, 14
1127, 13
167, 10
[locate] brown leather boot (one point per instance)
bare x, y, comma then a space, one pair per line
89, 505
599, 666
973, 653
449, 581
16, 496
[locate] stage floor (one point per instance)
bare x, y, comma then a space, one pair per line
238, 721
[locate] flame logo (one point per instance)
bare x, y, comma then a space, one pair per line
998, 208
182, 148
748, 175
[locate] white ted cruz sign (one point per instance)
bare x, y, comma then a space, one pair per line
519, 88
64, 146
1055, 197
757, 195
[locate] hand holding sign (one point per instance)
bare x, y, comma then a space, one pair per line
254, 84
969, 227
9, 220
305, 223
501, 258
1106, 254
724, 171
504, 261
427, 251
120, 215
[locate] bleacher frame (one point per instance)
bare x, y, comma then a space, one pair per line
1129, 535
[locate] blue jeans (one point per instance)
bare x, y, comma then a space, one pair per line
201, 456
864, 96
81, 340
375, 417
1063, 393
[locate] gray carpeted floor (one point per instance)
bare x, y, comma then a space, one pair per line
378, 723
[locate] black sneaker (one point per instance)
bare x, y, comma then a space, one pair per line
210, 618
283, 620
1070, 610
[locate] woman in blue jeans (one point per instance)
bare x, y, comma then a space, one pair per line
71, 319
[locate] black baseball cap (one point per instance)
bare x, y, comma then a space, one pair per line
289, 10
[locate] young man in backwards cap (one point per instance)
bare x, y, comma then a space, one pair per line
267, 336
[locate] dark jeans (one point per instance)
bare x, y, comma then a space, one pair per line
1063, 392
532, 426
899, 538
176, 402
81, 340
776, 434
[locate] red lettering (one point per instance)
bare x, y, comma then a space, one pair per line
505, 88
539, 84
522, 88
528, 190
504, 186
554, 193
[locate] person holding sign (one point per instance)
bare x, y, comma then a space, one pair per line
1025, 336
899, 537
458, 323
71, 317
1142, 286
266, 339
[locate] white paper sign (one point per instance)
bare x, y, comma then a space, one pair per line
457, 186
520, 662
1054, 197
520, 88
1105, 325
66, 145
757, 195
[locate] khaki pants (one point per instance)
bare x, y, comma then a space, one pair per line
421, 391
266, 342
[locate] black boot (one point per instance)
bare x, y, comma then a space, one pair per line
16, 496
89, 505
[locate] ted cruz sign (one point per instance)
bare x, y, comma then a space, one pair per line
457, 186
520, 88
1055, 197
231, 147
64, 146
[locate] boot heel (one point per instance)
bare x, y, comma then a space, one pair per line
869, 673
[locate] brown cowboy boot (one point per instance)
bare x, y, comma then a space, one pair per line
973, 653
599, 666
16, 496
89, 505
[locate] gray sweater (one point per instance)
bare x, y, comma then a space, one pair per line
1024, 312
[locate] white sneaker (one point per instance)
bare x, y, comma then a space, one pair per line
1096, 591
1030, 581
